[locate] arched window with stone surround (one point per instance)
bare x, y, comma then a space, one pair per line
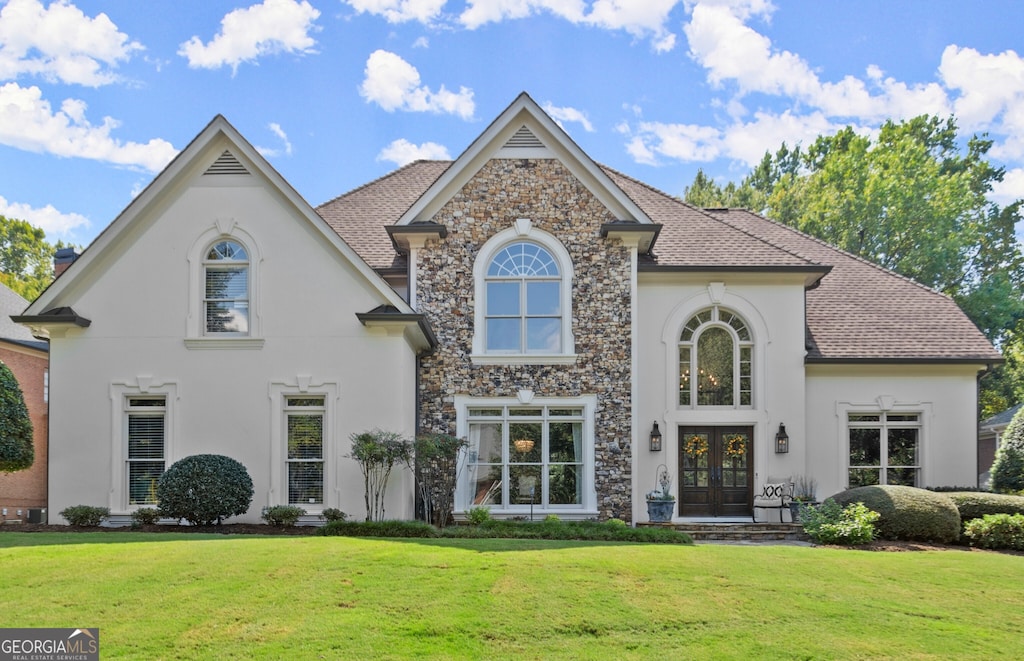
716, 360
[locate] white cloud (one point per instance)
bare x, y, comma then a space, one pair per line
567, 114
988, 84
274, 26
394, 84
400, 11
286, 148
28, 122
745, 142
1010, 189
403, 152
48, 219
60, 43
639, 19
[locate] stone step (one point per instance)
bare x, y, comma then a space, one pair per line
739, 532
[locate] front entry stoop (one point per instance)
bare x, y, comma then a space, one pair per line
767, 533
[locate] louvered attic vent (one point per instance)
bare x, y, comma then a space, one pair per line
524, 139
226, 163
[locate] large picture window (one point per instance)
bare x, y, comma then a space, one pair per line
226, 297
305, 421
716, 360
145, 425
524, 307
523, 457
885, 448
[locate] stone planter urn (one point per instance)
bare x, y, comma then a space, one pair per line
660, 511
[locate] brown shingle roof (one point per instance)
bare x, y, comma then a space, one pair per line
859, 311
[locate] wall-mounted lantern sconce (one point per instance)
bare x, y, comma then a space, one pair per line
655, 439
781, 440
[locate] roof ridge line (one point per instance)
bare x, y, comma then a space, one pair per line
386, 175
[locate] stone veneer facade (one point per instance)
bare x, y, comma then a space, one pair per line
547, 194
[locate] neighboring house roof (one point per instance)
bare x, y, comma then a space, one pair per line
11, 304
858, 312
1001, 419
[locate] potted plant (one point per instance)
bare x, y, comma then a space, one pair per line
660, 501
804, 495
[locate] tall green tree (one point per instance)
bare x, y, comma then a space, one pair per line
16, 449
26, 258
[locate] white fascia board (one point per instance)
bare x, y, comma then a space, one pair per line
524, 110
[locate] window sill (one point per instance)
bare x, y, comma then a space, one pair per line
224, 343
523, 359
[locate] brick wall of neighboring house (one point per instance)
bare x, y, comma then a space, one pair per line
544, 192
26, 489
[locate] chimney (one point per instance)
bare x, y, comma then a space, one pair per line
62, 259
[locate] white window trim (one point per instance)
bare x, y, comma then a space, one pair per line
303, 386
587, 509
223, 229
884, 404
144, 386
522, 230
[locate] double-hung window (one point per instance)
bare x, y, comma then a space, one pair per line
145, 423
885, 448
226, 297
304, 417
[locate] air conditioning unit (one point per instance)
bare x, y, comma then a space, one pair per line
37, 515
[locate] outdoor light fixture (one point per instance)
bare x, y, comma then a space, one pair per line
781, 440
655, 439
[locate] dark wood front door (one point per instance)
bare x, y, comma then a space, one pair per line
715, 471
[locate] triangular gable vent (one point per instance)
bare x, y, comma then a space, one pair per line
226, 163
524, 139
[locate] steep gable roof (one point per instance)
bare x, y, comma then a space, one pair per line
11, 304
218, 151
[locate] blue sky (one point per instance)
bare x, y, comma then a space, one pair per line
96, 97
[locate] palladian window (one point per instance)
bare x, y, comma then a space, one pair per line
716, 360
523, 310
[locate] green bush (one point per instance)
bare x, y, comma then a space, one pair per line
85, 515
976, 504
552, 517
17, 451
616, 523
204, 489
478, 515
831, 523
333, 514
145, 516
1008, 468
414, 529
997, 531
282, 515
907, 513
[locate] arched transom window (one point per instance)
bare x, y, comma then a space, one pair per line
523, 311
715, 360
226, 297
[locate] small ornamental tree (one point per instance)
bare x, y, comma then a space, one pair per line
377, 452
16, 449
435, 466
1008, 468
204, 489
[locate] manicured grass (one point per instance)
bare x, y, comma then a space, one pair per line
171, 596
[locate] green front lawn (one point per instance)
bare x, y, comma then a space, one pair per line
185, 596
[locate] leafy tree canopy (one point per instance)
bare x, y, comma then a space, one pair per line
16, 449
26, 257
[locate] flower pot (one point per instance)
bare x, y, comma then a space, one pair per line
660, 511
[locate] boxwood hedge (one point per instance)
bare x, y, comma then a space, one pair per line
908, 513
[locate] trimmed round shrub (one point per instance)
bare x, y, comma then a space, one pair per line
974, 505
907, 513
1008, 468
283, 515
204, 489
333, 514
146, 516
85, 515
